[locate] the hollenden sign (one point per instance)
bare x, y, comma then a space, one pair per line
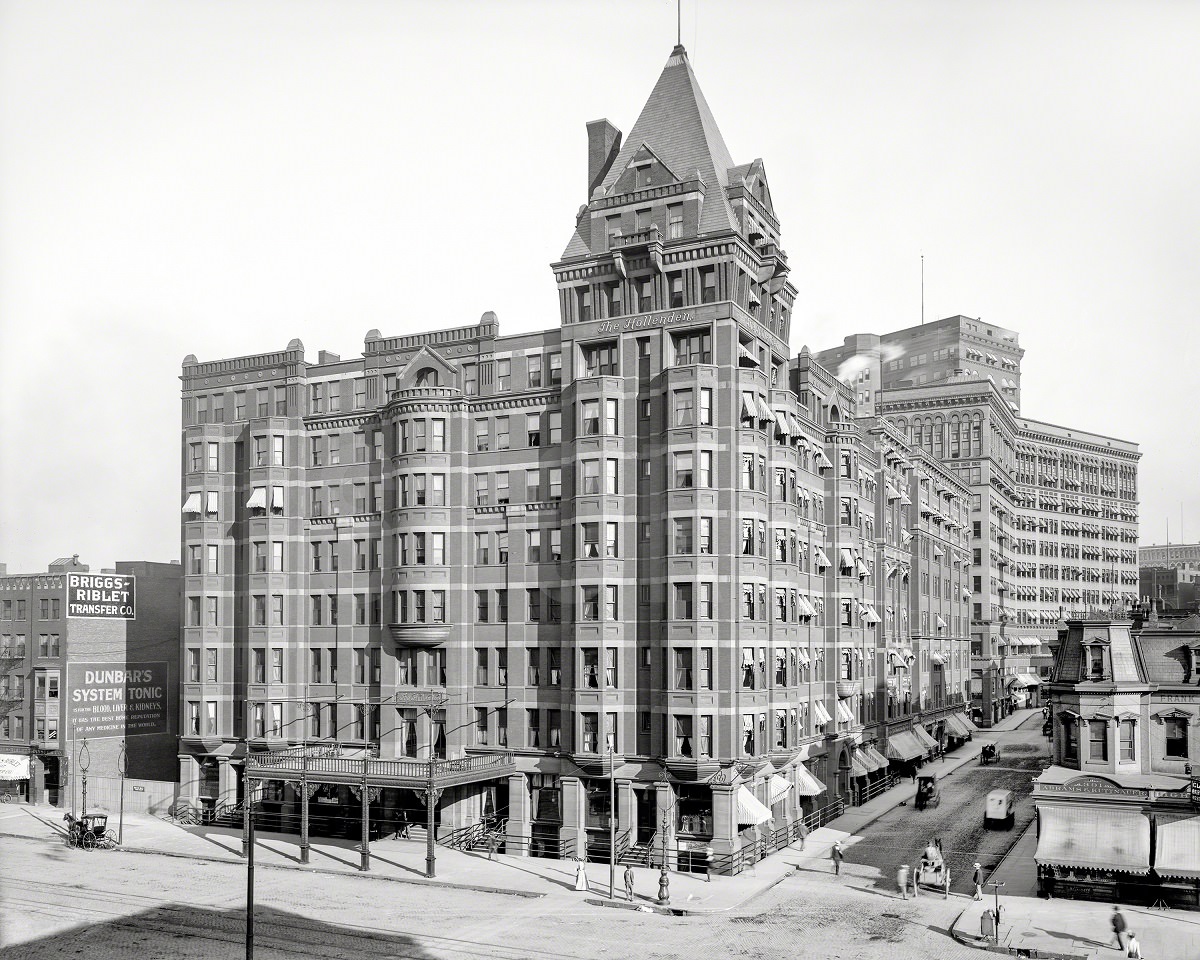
117, 700
107, 596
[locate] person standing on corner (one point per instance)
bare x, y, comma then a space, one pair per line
629, 883
902, 880
837, 856
581, 878
803, 831
977, 879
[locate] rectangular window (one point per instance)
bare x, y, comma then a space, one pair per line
1176, 733
533, 368
1127, 747
481, 606
1097, 739
683, 668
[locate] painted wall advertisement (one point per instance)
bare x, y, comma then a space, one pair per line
118, 700
104, 596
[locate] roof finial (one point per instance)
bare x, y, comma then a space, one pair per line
679, 23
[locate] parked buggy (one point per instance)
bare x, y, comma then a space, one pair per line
928, 793
90, 832
932, 870
987, 754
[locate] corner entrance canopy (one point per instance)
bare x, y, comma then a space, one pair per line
327, 766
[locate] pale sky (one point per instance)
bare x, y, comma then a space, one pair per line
217, 178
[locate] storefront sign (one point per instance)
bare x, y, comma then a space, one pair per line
1089, 786
117, 700
14, 767
104, 596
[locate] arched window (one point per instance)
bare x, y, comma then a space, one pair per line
427, 377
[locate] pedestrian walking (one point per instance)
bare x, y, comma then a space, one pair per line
1118, 926
913, 773
837, 856
977, 879
803, 833
581, 878
629, 883
492, 845
1134, 949
709, 854
915, 888
902, 880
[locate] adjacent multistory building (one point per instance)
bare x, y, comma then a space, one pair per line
1054, 509
89, 670
648, 544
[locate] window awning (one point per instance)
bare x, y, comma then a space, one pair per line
1094, 837
823, 462
966, 593
955, 726
258, 499
277, 498
822, 559
745, 354
941, 624
192, 503
749, 409
847, 559
806, 784
782, 427
857, 767
797, 430
1024, 680
924, 738
1177, 853
751, 810
892, 493
211, 501
806, 608
937, 552
904, 746
861, 568
820, 714
764, 412
905, 537
843, 713
904, 499
777, 789
871, 616
937, 659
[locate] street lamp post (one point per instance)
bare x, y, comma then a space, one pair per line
664, 882
612, 823
996, 885
85, 760
122, 765
304, 802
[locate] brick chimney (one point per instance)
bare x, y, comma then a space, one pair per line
604, 143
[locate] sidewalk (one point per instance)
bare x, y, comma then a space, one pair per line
404, 860
1079, 929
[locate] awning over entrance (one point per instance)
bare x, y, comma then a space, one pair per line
956, 727
1098, 837
777, 788
750, 809
806, 784
1177, 853
1024, 680
904, 746
857, 767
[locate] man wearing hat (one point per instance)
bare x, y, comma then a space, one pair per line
977, 877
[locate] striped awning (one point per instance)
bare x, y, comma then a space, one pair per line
1091, 836
904, 746
872, 757
857, 767
820, 714
751, 810
955, 726
806, 784
843, 712
923, 736
777, 788
192, 503
1177, 850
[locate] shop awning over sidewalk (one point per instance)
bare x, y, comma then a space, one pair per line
1177, 853
955, 726
904, 746
923, 737
750, 810
1096, 837
872, 757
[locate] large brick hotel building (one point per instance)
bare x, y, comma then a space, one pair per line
651, 529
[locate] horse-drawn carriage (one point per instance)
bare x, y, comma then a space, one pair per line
90, 832
928, 794
987, 753
932, 870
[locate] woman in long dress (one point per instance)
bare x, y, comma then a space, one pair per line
581, 879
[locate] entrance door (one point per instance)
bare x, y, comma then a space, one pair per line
647, 813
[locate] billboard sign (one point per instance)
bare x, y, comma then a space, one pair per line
105, 596
118, 699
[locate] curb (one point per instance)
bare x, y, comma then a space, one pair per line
420, 882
